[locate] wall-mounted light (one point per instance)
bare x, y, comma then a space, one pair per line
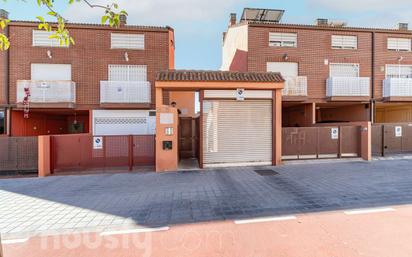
285, 57
126, 56
49, 54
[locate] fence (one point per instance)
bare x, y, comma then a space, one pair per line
81, 153
321, 142
18, 154
390, 139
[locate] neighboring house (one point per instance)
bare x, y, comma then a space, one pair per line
333, 72
104, 84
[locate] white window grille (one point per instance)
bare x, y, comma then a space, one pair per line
344, 70
127, 72
398, 71
399, 44
127, 41
42, 38
344, 42
283, 39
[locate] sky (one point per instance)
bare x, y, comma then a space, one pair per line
199, 24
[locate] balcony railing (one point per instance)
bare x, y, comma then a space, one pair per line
295, 86
125, 92
397, 87
348, 87
43, 92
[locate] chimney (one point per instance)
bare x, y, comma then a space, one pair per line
123, 19
322, 22
403, 26
233, 19
4, 14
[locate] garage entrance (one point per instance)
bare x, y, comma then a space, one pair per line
237, 132
239, 124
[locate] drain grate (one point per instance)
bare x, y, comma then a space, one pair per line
266, 172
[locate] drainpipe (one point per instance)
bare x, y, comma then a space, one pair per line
6, 80
372, 102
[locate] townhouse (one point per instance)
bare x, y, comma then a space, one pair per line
334, 73
102, 85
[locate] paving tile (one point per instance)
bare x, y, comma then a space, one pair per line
101, 201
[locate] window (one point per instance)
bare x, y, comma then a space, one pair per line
127, 41
399, 44
398, 71
42, 38
344, 42
46, 71
2, 122
287, 69
283, 39
344, 70
127, 72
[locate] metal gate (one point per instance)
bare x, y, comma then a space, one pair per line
79, 153
390, 139
320, 142
18, 154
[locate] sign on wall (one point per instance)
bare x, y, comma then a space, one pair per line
334, 133
166, 118
398, 131
240, 94
97, 143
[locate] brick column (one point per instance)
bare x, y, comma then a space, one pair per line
44, 167
277, 127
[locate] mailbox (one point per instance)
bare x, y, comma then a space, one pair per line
167, 145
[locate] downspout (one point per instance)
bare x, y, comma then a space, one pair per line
372, 102
6, 80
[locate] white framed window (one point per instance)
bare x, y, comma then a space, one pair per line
398, 71
48, 71
344, 70
283, 39
127, 72
286, 69
127, 41
42, 38
399, 44
344, 42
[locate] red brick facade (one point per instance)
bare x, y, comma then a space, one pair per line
89, 57
314, 53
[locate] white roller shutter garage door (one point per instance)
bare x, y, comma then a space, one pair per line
237, 132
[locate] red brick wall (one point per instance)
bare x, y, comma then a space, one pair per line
314, 46
89, 58
384, 56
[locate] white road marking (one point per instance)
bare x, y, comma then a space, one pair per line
367, 211
14, 241
265, 219
134, 231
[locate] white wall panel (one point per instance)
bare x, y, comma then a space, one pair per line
123, 122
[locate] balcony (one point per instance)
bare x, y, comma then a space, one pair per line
397, 89
296, 88
125, 92
47, 94
348, 88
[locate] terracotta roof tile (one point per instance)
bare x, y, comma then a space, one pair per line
228, 76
